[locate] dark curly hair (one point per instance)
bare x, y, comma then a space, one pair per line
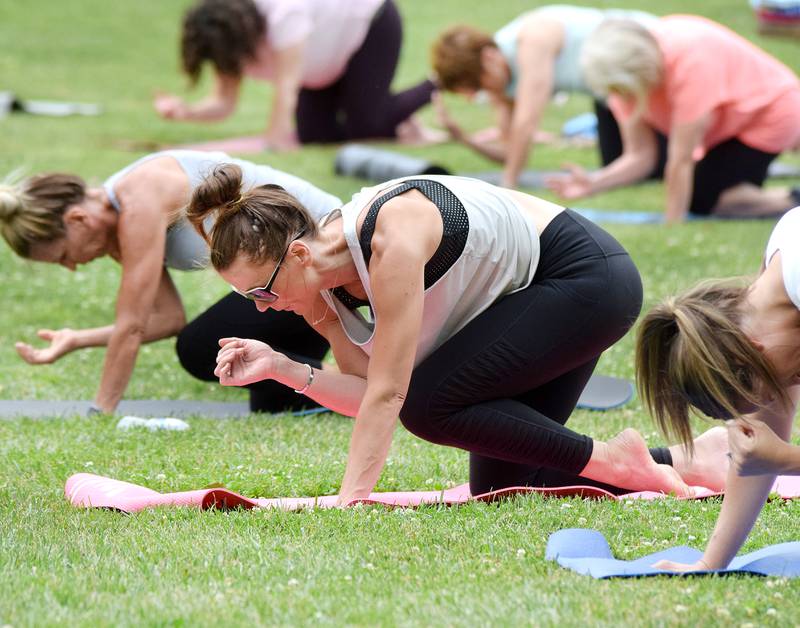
224, 32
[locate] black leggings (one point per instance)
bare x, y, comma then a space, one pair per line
233, 315
503, 387
360, 104
724, 166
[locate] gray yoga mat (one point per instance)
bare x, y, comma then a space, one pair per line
42, 409
601, 393
377, 164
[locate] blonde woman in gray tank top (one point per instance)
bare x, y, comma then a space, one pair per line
136, 219
474, 313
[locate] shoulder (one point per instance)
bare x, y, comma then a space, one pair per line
158, 183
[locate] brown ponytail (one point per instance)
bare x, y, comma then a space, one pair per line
33, 211
691, 352
259, 223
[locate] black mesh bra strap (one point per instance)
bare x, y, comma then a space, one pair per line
455, 226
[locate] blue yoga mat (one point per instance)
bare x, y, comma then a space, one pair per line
587, 552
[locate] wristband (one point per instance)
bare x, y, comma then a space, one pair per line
308, 382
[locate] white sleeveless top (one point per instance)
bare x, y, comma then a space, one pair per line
500, 257
786, 239
185, 248
578, 23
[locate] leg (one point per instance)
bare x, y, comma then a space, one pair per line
370, 109
197, 346
316, 116
473, 391
728, 180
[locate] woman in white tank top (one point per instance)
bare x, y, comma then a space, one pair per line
474, 313
520, 67
136, 218
730, 349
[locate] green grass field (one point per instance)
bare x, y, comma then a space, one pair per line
480, 564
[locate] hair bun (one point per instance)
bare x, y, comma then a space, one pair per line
12, 201
220, 191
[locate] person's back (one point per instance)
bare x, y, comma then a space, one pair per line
578, 23
709, 68
185, 249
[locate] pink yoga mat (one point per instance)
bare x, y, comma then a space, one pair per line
87, 490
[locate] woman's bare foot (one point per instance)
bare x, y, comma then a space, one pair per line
625, 461
709, 465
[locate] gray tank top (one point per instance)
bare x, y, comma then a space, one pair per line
498, 255
578, 22
185, 249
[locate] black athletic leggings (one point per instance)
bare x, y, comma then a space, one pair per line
233, 315
360, 104
724, 166
503, 387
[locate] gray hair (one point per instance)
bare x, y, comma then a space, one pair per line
622, 57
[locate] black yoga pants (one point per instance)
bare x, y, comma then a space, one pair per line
725, 166
360, 104
233, 315
503, 387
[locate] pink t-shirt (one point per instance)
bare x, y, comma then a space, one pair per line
708, 68
332, 30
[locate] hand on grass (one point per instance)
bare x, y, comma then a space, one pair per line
668, 565
444, 118
281, 141
242, 361
755, 448
169, 107
61, 342
575, 183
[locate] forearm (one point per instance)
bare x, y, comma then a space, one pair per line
518, 151
744, 499
790, 455
283, 107
336, 391
493, 151
678, 180
625, 170
159, 326
210, 109
120, 360
369, 446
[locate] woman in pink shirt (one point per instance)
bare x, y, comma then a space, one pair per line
726, 107
331, 64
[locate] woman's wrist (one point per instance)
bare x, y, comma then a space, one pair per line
789, 456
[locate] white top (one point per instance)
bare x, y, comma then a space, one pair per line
331, 30
185, 248
786, 239
578, 23
500, 257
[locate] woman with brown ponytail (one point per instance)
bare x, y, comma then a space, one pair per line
731, 350
136, 218
487, 312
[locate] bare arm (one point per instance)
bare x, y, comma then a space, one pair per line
638, 159
744, 497
639, 156
289, 69
536, 55
142, 236
397, 276
679, 171
218, 105
489, 149
242, 361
